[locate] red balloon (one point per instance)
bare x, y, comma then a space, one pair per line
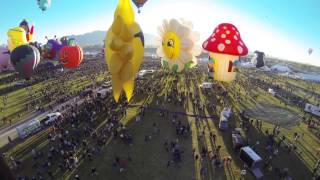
71, 56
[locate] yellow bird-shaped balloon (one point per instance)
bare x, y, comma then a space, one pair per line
124, 47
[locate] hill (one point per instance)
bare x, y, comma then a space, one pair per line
97, 37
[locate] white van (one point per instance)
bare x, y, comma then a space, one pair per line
252, 160
28, 128
103, 93
51, 118
271, 91
106, 84
315, 110
206, 85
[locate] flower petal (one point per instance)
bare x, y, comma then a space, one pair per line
196, 50
165, 25
161, 31
180, 66
174, 25
160, 52
186, 43
185, 57
183, 31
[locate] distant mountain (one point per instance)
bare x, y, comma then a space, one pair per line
97, 38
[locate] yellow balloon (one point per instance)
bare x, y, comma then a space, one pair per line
171, 45
124, 47
224, 69
16, 37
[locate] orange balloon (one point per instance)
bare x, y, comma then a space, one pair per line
71, 56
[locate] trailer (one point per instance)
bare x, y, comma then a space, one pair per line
28, 128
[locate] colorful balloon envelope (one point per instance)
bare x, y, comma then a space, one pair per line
51, 49
124, 50
139, 3
44, 4
5, 64
71, 56
16, 37
177, 45
29, 31
25, 59
225, 46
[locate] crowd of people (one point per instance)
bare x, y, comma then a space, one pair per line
83, 133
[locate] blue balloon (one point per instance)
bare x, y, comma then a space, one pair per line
44, 4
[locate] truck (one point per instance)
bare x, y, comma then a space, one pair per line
103, 93
313, 109
28, 128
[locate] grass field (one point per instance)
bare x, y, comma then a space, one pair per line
149, 159
19, 97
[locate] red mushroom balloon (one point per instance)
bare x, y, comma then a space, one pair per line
225, 46
71, 56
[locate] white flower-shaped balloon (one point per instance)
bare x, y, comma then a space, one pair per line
177, 45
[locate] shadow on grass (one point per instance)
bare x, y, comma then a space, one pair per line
297, 169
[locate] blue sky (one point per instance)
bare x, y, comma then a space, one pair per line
281, 28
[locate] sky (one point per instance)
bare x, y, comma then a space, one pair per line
281, 28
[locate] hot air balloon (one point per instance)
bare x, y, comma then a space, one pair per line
225, 47
44, 4
25, 59
139, 4
5, 64
16, 37
51, 49
124, 50
178, 45
66, 41
71, 56
310, 51
29, 31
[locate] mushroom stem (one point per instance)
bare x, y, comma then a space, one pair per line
224, 67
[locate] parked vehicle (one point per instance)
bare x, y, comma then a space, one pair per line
28, 128
252, 160
237, 140
103, 93
51, 118
86, 92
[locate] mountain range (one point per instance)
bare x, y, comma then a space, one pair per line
97, 38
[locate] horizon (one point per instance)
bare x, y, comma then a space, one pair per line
282, 34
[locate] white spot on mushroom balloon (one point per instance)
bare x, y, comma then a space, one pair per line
228, 41
240, 49
223, 35
235, 37
241, 43
205, 44
213, 39
221, 47
213, 34
228, 32
217, 30
233, 28
224, 27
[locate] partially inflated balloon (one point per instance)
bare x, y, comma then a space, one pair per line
71, 56
124, 48
44, 4
51, 49
25, 59
29, 31
16, 37
5, 64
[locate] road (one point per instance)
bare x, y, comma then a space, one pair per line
11, 132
